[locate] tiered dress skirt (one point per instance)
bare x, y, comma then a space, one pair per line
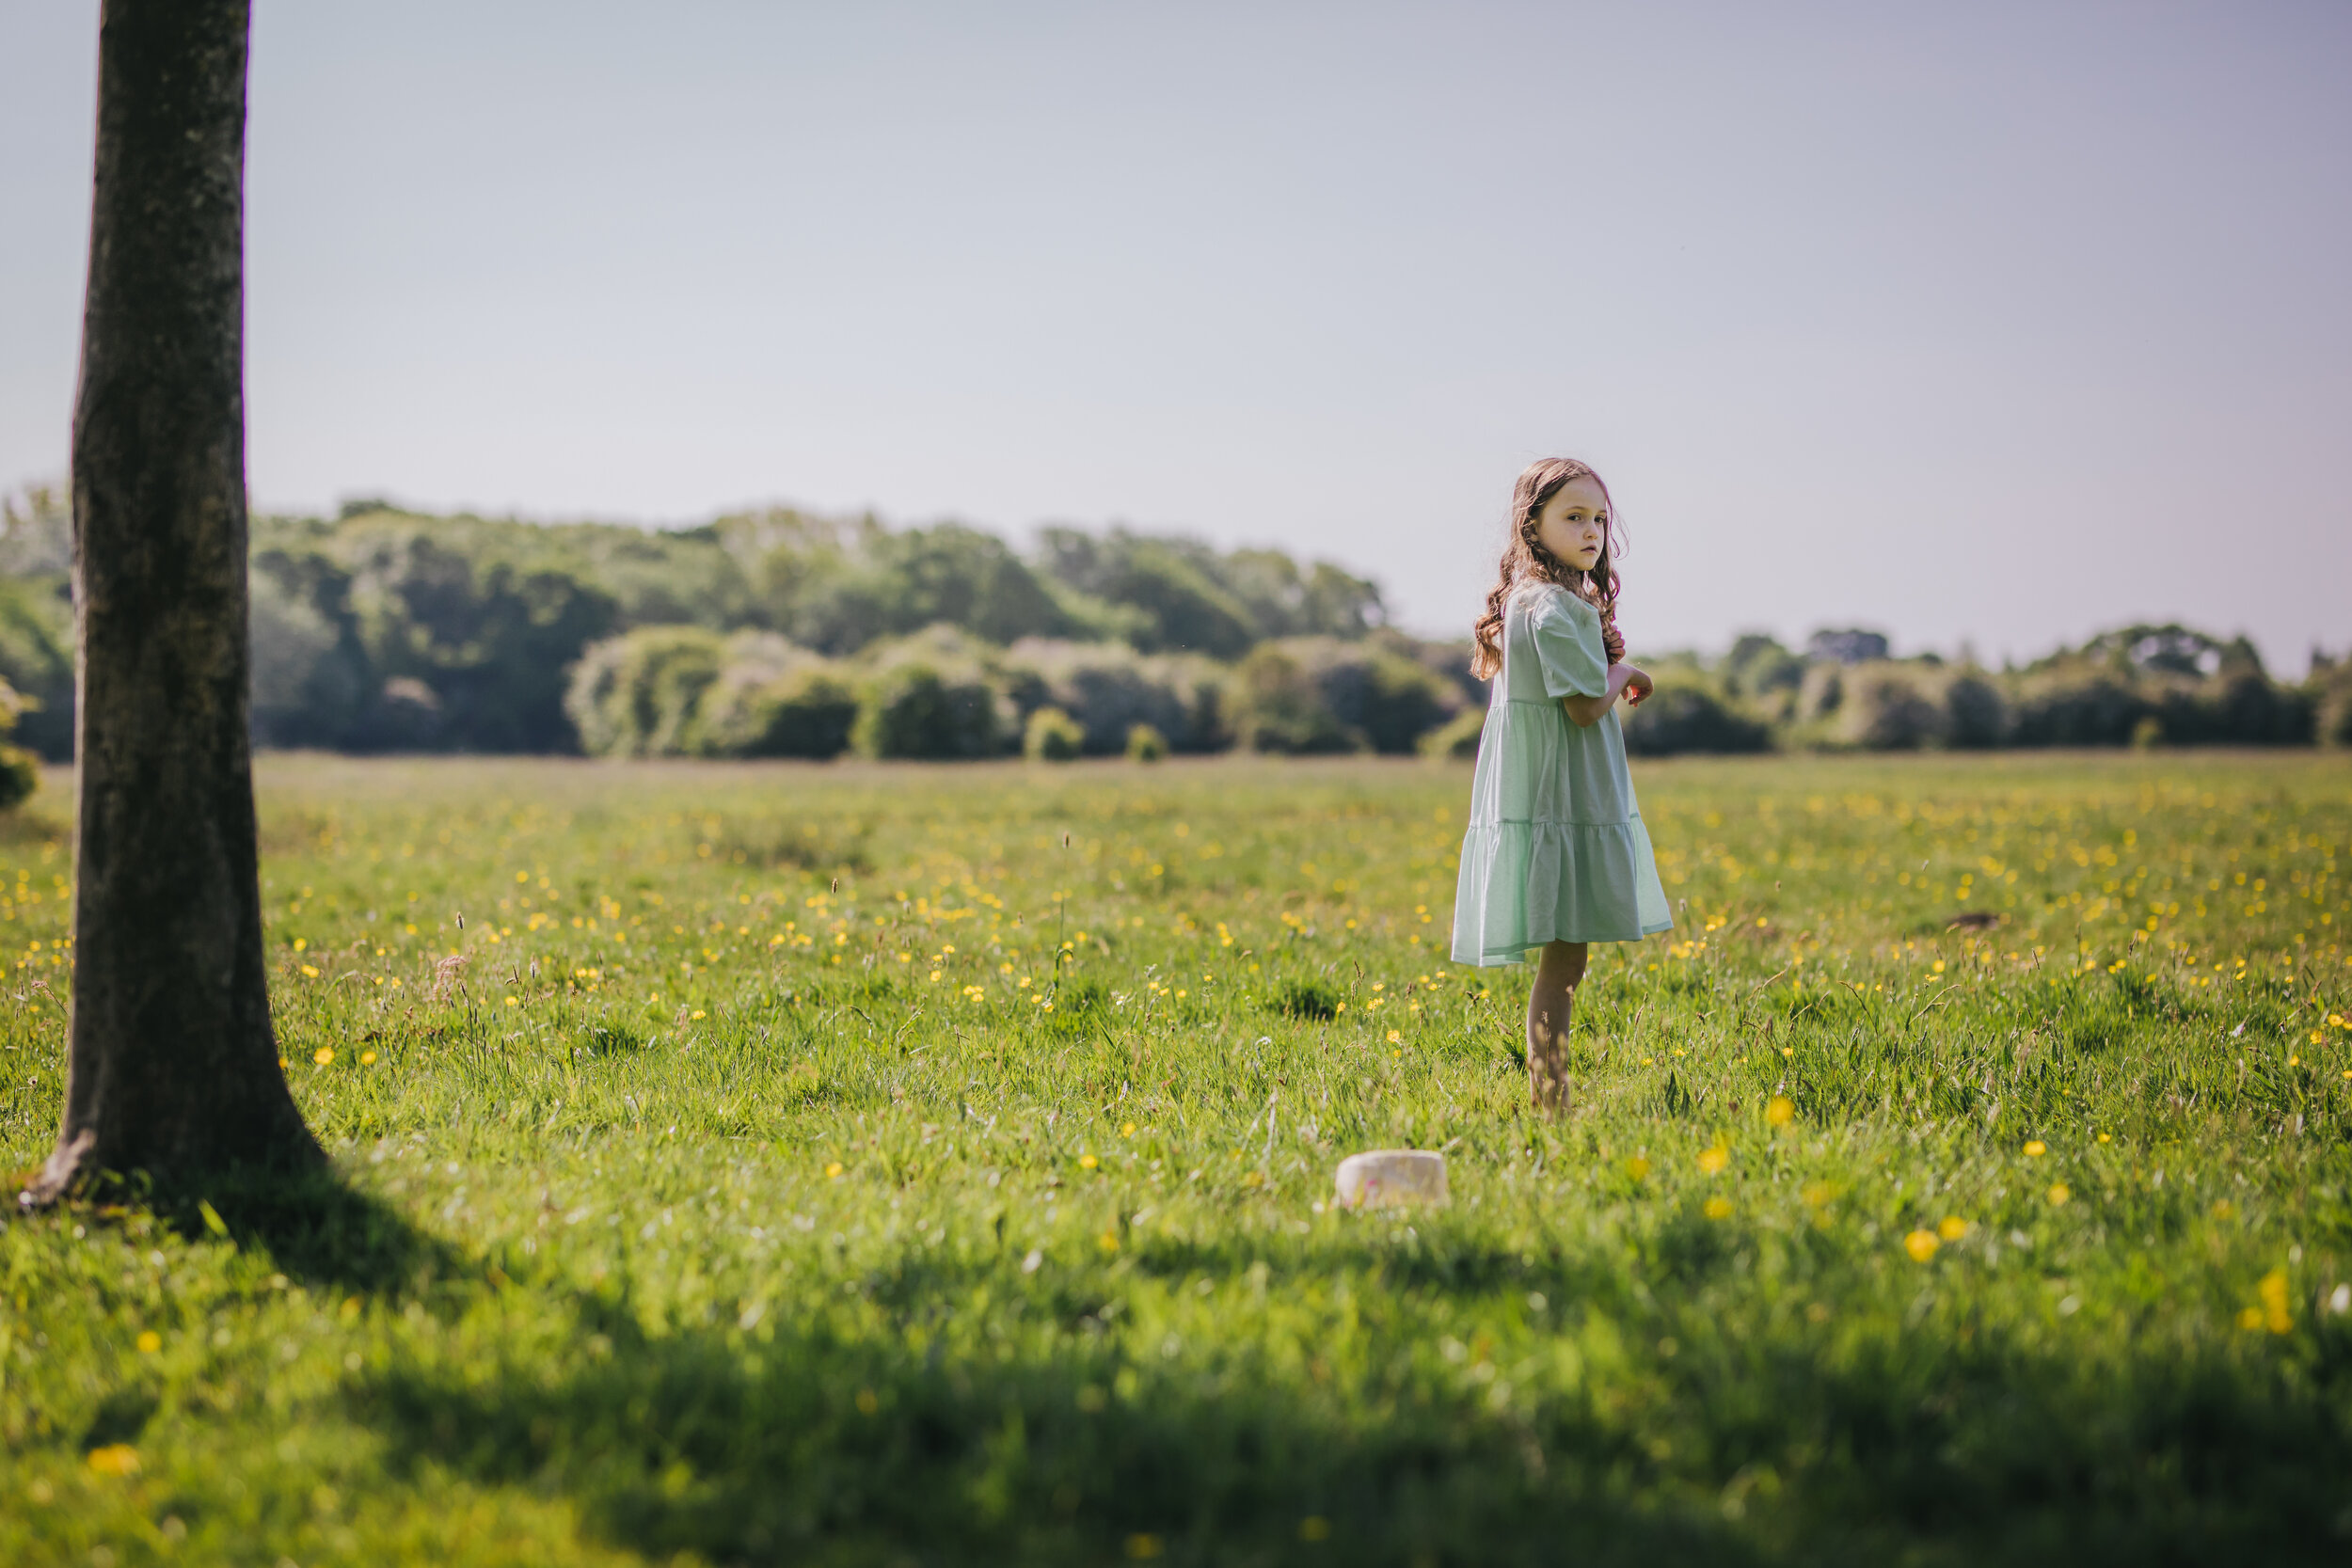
1555, 850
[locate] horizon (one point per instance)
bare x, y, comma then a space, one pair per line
1026, 543
1272, 279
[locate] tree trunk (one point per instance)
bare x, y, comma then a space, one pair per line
172, 1065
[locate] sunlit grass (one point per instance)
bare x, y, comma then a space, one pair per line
836, 1165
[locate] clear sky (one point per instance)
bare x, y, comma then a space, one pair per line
1989, 323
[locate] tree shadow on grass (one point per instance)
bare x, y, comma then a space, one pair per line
848, 1437
813, 1446
320, 1232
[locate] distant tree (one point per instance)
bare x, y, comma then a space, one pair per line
20, 772
1758, 664
1687, 717
491, 638
1281, 706
172, 1065
1850, 645
1171, 584
2171, 649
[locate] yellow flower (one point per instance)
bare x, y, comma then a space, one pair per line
1126, 1129
1713, 1158
696, 1013
149, 1342
1716, 1208
1781, 1109
1086, 1161
310, 971
1952, 1229
1922, 1245
833, 1171
367, 1058
1143, 1547
2274, 1293
324, 1054
115, 1459
1637, 1168
1109, 1242
1394, 1036
2059, 1195
2036, 1149
1314, 1527
2250, 1318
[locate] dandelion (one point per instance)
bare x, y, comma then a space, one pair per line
324, 1054
1713, 1158
1952, 1228
1778, 1113
1922, 1245
2059, 1195
1086, 1161
695, 1013
1395, 1037
1109, 1242
833, 1171
115, 1459
2036, 1149
1716, 1208
1314, 1527
367, 1058
2273, 1291
1637, 1168
149, 1342
1126, 1129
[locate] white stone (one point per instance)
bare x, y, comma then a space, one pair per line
1387, 1177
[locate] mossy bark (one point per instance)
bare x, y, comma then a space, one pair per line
172, 1065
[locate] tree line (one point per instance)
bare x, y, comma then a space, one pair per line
780, 633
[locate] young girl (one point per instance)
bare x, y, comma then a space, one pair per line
1556, 856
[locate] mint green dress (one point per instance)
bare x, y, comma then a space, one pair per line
1555, 850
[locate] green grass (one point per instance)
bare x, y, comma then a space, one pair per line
935, 1174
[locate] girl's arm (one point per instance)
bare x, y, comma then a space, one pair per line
1584, 712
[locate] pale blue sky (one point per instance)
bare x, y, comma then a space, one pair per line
2000, 323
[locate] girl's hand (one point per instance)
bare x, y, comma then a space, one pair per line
1638, 686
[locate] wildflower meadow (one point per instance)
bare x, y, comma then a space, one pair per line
891, 1163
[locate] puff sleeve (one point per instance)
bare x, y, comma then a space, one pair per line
1568, 643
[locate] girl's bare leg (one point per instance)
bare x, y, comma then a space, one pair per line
1548, 1006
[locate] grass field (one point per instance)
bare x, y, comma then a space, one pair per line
877, 1166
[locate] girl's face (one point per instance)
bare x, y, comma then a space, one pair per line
1574, 523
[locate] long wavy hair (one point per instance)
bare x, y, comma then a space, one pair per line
1525, 559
